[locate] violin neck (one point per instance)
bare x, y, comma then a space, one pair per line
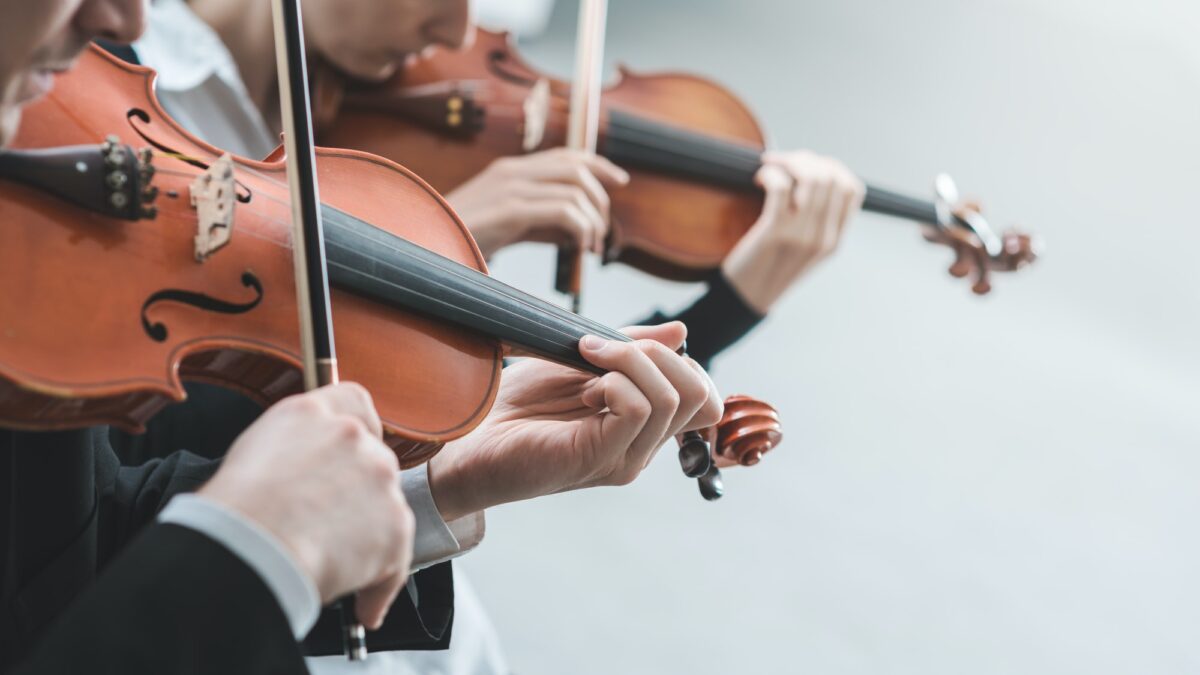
888, 203
377, 265
641, 143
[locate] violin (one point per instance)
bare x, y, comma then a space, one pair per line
175, 262
691, 147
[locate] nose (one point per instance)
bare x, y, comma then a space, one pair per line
450, 26
117, 20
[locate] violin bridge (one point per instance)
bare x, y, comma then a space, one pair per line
537, 110
213, 195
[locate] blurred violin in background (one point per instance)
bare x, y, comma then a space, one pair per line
691, 147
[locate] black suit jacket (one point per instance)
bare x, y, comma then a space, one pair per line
207, 424
715, 321
77, 597
68, 511
174, 601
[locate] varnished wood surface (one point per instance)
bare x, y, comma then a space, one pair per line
72, 347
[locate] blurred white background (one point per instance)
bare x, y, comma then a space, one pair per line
995, 485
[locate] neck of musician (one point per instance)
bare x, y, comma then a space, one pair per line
245, 26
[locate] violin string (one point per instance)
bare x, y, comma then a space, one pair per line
739, 162
730, 162
472, 277
436, 259
667, 138
484, 284
424, 257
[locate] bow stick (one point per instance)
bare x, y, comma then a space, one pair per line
308, 239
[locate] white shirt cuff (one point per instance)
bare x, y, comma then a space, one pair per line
296, 593
436, 540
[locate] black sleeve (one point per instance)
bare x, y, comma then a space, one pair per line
716, 321
174, 601
419, 619
132, 496
68, 508
207, 423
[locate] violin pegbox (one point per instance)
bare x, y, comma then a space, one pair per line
978, 249
111, 179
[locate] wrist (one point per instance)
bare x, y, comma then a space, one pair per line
764, 265
452, 495
490, 234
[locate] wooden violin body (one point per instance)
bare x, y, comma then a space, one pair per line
448, 116
100, 318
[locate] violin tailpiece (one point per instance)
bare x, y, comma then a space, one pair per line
110, 179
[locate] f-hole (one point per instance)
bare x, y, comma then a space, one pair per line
158, 330
244, 195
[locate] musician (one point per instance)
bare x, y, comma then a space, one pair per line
97, 575
221, 581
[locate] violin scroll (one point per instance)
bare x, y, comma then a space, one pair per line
978, 250
749, 429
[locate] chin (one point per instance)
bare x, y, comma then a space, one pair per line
369, 70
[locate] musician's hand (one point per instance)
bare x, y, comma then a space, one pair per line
555, 429
314, 472
809, 200
557, 196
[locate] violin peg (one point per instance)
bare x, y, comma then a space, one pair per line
695, 455
712, 486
